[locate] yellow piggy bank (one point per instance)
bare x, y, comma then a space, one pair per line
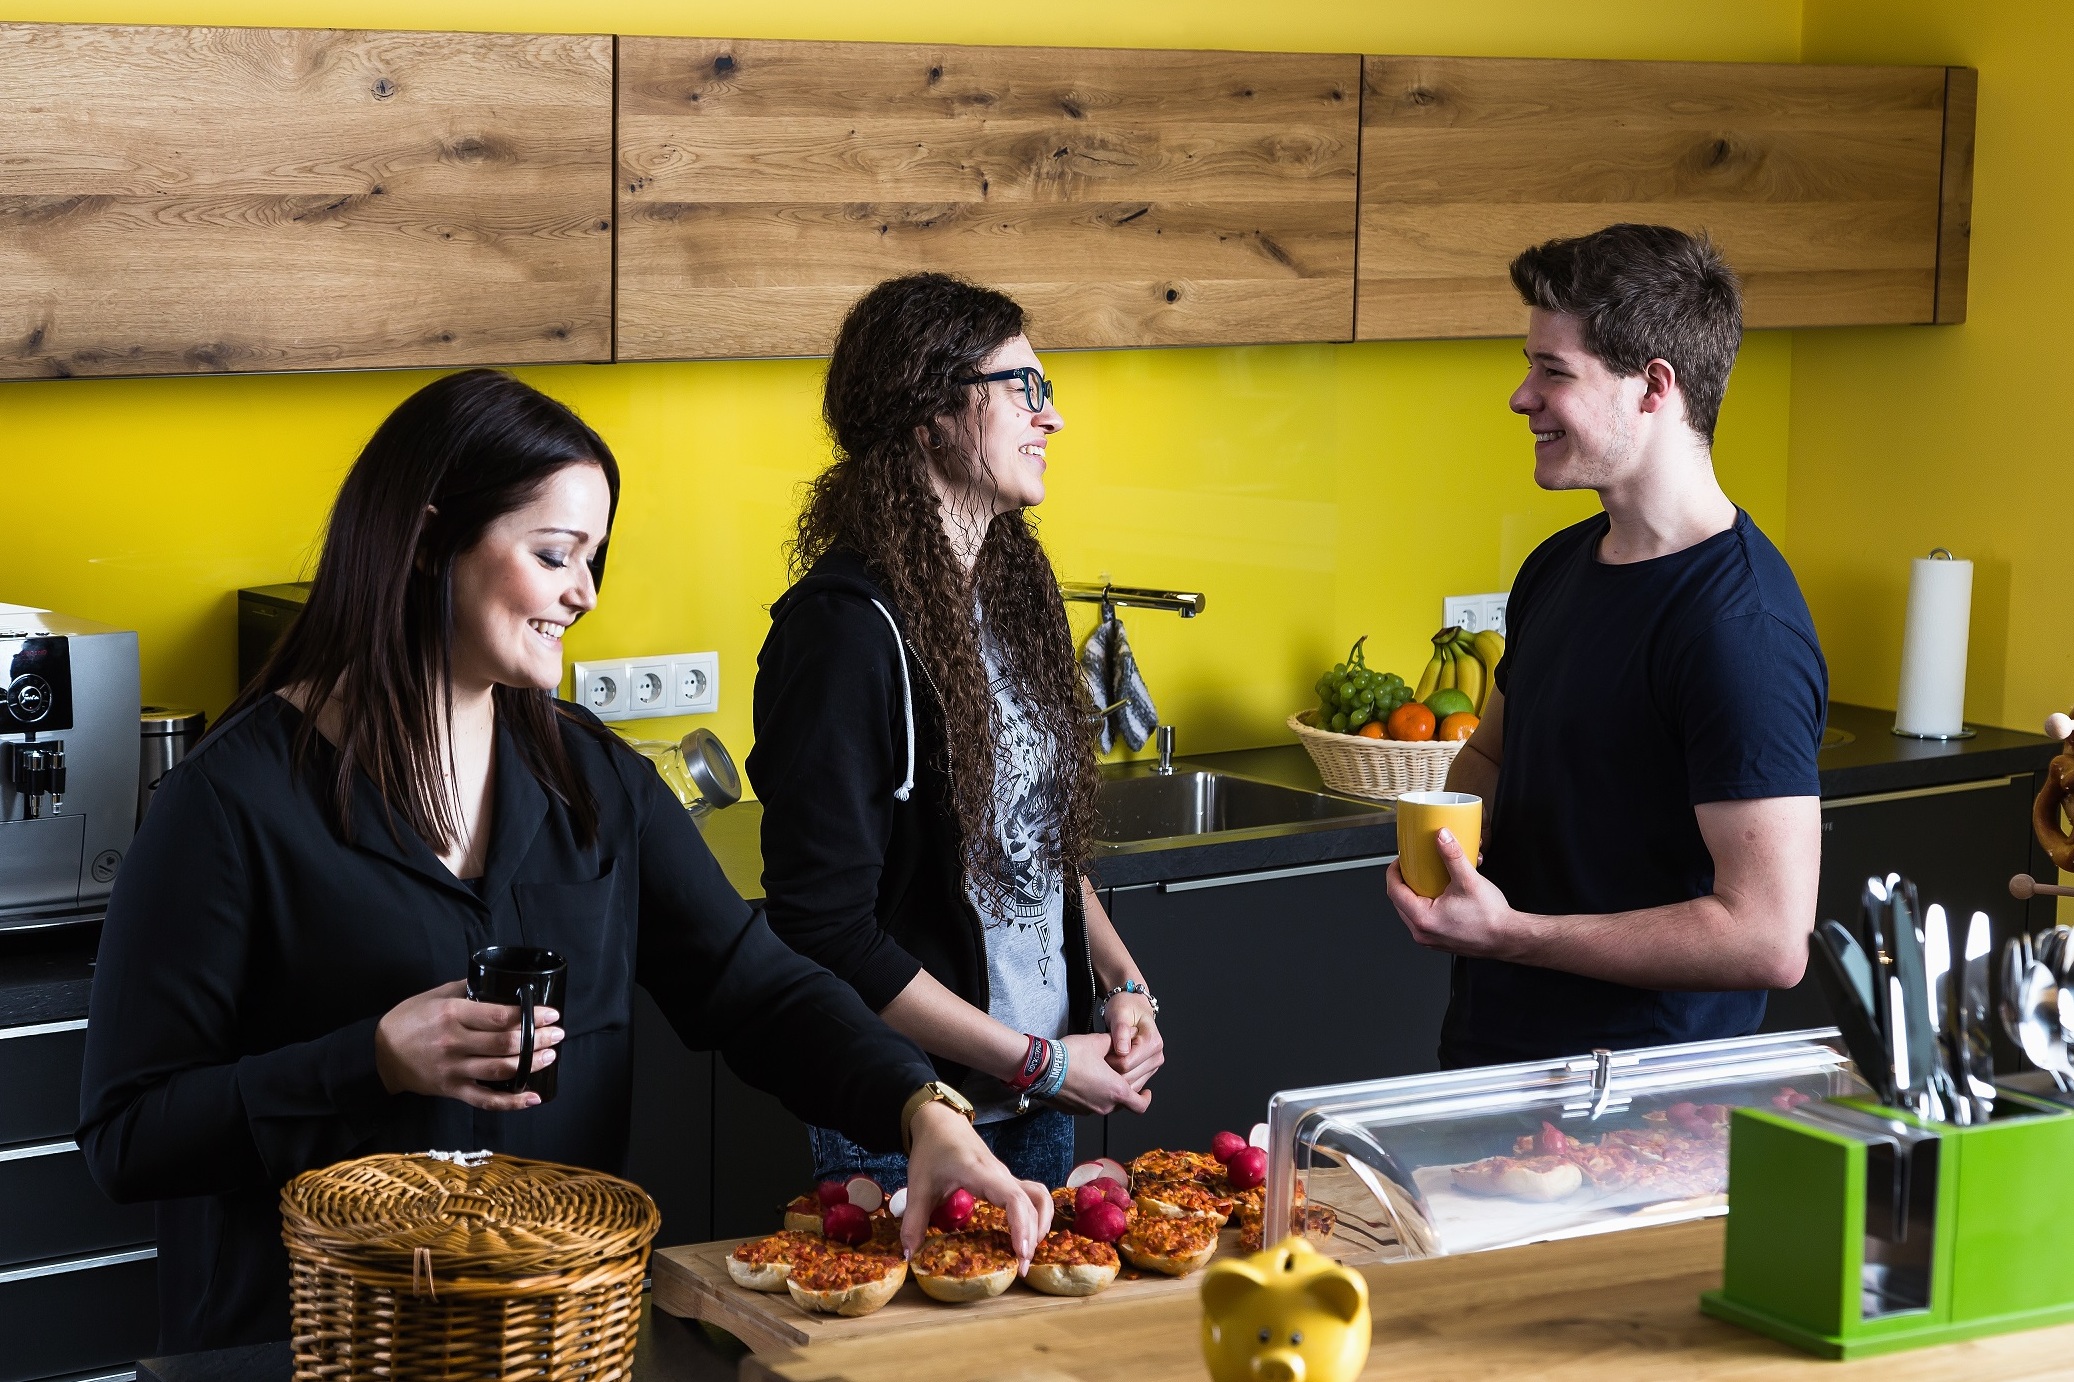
1288, 1314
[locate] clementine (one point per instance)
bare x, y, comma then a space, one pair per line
1411, 721
1460, 725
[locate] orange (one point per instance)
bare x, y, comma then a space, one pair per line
1372, 730
1460, 725
1411, 721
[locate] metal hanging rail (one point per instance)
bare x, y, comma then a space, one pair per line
1186, 603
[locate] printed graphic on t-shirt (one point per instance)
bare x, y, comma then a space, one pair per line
1025, 918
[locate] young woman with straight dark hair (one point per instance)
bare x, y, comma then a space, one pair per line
923, 750
280, 983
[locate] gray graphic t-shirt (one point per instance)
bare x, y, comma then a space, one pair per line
1026, 961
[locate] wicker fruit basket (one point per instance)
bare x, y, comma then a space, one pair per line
463, 1266
1382, 769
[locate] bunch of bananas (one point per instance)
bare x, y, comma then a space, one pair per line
1465, 661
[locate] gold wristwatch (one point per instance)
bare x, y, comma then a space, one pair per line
934, 1092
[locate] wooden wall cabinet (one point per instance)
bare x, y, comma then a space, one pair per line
1840, 194
190, 200
1124, 198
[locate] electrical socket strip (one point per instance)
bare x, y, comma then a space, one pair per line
646, 687
1474, 612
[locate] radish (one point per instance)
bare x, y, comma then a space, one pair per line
1248, 1168
1258, 1136
1091, 1194
955, 1212
897, 1206
864, 1192
1105, 1223
1118, 1196
1114, 1170
830, 1193
1225, 1144
1083, 1173
846, 1223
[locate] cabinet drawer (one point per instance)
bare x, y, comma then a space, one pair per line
39, 1081
50, 1208
98, 1313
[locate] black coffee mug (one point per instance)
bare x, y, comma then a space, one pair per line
528, 977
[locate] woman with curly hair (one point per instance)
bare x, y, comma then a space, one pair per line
922, 736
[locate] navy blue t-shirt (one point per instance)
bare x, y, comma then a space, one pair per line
1633, 693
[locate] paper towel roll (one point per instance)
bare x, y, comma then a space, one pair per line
1932, 704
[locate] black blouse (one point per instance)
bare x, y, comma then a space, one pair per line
249, 952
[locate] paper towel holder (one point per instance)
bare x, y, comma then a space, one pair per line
1935, 554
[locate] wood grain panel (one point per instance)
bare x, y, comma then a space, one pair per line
1125, 198
1821, 184
1617, 1307
1955, 199
183, 200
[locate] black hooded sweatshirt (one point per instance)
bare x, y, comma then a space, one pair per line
862, 871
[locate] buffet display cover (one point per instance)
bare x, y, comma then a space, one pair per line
1461, 1161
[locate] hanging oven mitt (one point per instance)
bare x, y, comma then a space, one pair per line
1113, 682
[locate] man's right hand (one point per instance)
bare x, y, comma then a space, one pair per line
440, 1042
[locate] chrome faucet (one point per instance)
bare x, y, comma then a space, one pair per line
1163, 739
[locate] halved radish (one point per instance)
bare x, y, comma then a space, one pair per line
897, 1206
1224, 1144
1258, 1136
864, 1192
1083, 1173
1113, 1170
831, 1193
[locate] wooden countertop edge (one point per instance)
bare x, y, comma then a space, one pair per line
1618, 1305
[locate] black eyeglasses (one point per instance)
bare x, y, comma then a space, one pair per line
1036, 389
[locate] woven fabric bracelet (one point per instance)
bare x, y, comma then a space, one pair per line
1055, 1077
1036, 1060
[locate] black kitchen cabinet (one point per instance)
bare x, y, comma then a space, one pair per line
670, 1141
1959, 843
1272, 981
760, 1157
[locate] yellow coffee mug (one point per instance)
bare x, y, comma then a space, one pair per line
1420, 815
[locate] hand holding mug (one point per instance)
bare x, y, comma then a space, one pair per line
442, 1043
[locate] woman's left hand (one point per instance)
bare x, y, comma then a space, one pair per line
1136, 1049
946, 1154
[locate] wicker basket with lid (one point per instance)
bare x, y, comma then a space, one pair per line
462, 1266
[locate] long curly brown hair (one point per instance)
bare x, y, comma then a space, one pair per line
895, 415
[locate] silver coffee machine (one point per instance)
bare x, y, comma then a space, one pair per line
68, 764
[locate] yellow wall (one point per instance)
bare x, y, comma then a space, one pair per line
1955, 437
1314, 492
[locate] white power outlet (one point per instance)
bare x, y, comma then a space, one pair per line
1474, 612
602, 689
644, 687
695, 684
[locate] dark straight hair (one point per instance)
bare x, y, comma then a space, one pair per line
376, 637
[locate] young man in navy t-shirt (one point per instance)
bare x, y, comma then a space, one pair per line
1647, 760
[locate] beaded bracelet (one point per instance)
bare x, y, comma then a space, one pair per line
1127, 986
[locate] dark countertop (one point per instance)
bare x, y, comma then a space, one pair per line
44, 976
667, 1350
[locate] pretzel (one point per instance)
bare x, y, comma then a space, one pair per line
2049, 812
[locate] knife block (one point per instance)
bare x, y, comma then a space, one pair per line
1812, 1253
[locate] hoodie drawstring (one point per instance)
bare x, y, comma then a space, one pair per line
907, 702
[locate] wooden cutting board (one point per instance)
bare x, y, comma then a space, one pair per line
692, 1282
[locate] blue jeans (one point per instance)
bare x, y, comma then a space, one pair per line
1036, 1146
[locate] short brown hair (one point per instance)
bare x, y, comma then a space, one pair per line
1645, 293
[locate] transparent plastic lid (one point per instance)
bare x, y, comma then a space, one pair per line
1463, 1160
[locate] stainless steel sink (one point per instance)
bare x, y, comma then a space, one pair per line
1144, 810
